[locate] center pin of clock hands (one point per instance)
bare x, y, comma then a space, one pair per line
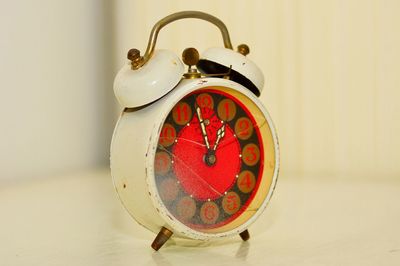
211, 158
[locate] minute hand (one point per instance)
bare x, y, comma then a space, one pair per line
203, 127
220, 135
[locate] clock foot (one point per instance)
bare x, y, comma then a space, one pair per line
245, 235
161, 238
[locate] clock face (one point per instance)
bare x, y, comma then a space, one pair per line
209, 162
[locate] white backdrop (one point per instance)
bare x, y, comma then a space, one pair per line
332, 72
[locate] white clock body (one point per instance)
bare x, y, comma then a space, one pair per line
133, 150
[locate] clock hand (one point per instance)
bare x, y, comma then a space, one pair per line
203, 127
220, 135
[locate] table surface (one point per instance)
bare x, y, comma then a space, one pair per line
78, 220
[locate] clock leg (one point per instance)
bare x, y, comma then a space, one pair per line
161, 238
245, 235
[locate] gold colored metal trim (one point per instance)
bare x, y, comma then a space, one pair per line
243, 49
177, 16
161, 238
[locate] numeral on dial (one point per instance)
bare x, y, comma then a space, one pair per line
182, 113
251, 154
167, 135
246, 181
226, 110
209, 212
169, 189
186, 208
162, 163
243, 128
205, 100
231, 202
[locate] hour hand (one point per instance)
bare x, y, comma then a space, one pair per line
203, 127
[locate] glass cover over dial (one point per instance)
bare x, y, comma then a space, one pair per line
209, 163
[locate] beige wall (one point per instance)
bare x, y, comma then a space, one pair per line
332, 69
56, 86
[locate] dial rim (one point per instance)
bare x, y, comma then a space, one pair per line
186, 88
204, 181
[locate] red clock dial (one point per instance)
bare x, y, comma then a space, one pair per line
209, 159
200, 179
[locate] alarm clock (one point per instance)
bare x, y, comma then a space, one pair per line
194, 153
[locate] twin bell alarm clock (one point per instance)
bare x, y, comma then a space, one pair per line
194, 153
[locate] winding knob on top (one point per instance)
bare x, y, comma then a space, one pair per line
190, 56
